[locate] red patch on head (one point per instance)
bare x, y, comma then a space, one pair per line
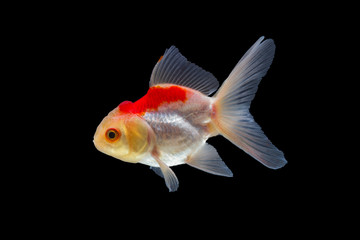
126, 106
155, 97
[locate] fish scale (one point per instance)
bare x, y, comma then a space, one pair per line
176, 137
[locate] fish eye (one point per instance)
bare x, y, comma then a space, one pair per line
112, 134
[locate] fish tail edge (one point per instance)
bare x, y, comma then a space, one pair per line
231, 116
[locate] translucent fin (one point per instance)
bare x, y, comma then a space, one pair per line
174, 68
241, 85
232, 102
207, 159
171, 180
158, 171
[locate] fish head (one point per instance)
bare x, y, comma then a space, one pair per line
125, 136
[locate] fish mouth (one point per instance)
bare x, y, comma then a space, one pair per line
96, 139
96, 145
99, 147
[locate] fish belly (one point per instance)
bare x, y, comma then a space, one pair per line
180, 131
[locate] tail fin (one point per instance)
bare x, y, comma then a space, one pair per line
232, 102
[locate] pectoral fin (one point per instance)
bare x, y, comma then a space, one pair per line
207, 159
158, 171
171, 180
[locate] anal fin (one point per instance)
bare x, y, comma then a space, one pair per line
208, 160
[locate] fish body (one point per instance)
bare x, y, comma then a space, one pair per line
181, 120
170, 125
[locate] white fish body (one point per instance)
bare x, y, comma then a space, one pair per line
170, 125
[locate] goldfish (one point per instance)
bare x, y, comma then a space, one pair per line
171, 123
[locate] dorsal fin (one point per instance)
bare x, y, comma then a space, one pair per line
174, 68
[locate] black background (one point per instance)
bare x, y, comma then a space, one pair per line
91, 58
